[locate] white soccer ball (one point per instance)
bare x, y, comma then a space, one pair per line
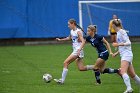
47, 78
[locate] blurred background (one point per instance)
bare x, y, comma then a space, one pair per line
27, 21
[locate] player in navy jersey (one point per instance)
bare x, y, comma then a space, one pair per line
103, 50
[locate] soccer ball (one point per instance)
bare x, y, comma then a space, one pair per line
47, 78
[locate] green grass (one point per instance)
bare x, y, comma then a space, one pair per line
22, 67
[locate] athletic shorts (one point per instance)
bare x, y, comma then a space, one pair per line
127, 58
76, 53
113, 33
103, 55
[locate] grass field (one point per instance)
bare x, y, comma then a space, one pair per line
22, 67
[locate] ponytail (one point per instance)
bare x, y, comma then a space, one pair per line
72, 21
80, 28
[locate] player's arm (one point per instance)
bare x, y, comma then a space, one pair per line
121, 44
126, 43
107, 45
64, 39
81, 39
115, 54
109, 28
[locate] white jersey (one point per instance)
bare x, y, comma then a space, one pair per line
76, 43
122, 37
75, 40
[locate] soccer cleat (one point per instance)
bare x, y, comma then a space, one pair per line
129, 91
59, 81
98, 82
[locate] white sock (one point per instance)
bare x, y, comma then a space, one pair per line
64, 74
126, 81
137, 79
90, 67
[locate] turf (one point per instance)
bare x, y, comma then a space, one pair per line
22, 67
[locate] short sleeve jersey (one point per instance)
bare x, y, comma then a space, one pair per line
97, 42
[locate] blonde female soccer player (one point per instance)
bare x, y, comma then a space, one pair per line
124, 45
103, 50
76, 35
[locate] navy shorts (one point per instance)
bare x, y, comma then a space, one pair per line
104, 55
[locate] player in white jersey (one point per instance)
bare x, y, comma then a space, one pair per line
124, 45
78, 42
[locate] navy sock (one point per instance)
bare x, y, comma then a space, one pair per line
97, 76
110, 70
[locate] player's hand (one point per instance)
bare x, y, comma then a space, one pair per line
58, 39
115, 44
111, 53
114, 55
108, 33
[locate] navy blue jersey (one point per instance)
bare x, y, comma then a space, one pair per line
97, 43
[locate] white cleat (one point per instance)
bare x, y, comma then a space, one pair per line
129, 91
59, 81
97, 84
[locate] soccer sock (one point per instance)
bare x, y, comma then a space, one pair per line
97, 76
126, 81
110, 70
64, 74
137, 79
90, 67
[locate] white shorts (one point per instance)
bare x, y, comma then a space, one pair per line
127, 58
75, 52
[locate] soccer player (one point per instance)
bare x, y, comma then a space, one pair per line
124, 45
103, 50
76, 35
111, 30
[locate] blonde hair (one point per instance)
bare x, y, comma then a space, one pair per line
117, 22
93, 28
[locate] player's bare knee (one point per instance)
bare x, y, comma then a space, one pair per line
101, 70
122, 72
82, 68
66, 64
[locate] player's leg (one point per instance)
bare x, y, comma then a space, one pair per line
99, 65
80, 64
104, 57
81, 67
133, 75
110, 71
113, 37
70, 59
124, 68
